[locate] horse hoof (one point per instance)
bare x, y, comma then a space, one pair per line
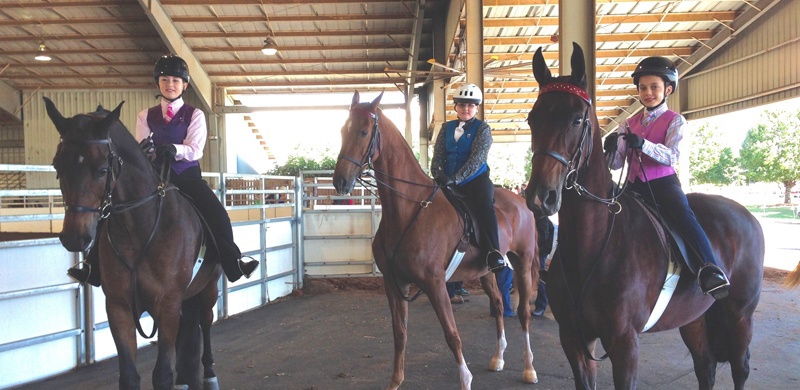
529, 376
497, 364
210, 383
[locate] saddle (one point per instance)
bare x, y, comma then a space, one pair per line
670, 239
471, 229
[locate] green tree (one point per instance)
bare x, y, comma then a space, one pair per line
710, 161
300, 162
771, 151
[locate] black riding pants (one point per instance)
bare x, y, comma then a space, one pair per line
480, 199
191, 183
674, 207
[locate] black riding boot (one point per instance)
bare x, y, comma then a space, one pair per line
495, 261
90, 272
232, 261
713, 281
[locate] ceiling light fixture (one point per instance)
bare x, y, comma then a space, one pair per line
42, 54
270, 47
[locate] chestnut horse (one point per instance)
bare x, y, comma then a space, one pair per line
419, 231
611, 265
148, 246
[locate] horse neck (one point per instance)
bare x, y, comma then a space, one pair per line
581, 218
398, 168
136, 179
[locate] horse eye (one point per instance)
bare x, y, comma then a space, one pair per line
102, 172
577, 121
364, 133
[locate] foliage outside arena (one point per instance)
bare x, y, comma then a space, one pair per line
770, 153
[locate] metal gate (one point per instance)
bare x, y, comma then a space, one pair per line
52, 325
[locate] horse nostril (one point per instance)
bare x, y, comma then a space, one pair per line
550, 199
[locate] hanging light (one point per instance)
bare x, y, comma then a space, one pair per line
42, 54
270, 47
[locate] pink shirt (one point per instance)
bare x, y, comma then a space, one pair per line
196, 134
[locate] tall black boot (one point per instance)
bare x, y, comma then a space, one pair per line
495, 261
89, 272
232, 261
713, 281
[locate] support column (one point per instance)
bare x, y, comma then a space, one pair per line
474, 32
576, 23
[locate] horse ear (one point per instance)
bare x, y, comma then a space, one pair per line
540, 71
54, 115
578, 65
104, 126
356, 100
376, 101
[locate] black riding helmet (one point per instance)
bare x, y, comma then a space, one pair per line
659, 66
171, 65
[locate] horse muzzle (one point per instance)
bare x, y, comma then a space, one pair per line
543, 201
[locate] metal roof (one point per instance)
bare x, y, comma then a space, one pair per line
339, 45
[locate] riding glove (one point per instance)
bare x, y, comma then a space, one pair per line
634, 141
147, 146
610, 143
166, 151
445, 181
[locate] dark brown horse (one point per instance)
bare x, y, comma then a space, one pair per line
609, 268
148, 246
419, 230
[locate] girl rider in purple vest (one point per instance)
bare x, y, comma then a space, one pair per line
655, 133
178, 134
459, 159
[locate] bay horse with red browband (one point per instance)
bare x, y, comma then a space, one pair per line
419, 231
610, 265
148, 247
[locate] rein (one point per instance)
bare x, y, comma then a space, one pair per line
366, 163
108, 208
570, 183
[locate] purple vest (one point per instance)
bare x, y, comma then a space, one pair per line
173, 132
656, 132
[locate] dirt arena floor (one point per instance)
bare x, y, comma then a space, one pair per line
336, 334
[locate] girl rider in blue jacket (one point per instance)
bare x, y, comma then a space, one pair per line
459, 159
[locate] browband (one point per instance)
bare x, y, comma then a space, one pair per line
565, 87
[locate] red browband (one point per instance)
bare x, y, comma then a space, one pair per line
565, 87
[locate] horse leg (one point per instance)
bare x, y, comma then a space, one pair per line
623, 351
208, 297
695, 337
737, 340
168, 320
437, 293
187, 363
123, 331
584, 369
489, 284
524, 283
399, 309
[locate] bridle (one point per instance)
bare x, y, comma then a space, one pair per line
374, 141
571, 179
111, 178
585, 131
108, 208
365, 164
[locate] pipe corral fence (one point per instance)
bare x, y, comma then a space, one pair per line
297, 227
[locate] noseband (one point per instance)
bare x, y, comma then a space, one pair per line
587, 124
374, 141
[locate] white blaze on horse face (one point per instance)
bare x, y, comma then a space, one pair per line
81, 158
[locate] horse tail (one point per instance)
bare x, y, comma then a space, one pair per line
793, 279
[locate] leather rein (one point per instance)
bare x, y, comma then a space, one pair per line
108, 208
366, 164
